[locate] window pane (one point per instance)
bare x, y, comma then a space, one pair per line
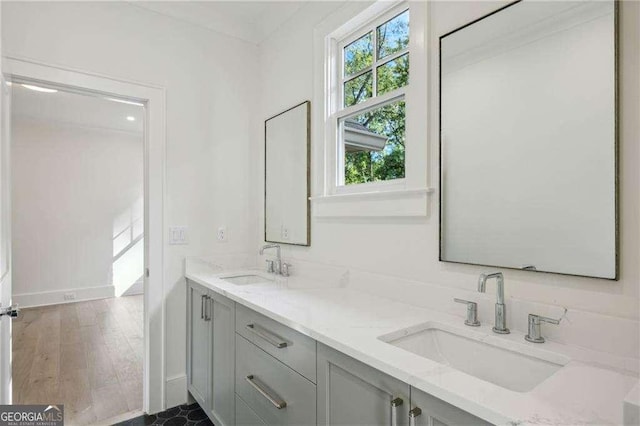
393, 35
374, 144
393, 74
358, 89
358, 55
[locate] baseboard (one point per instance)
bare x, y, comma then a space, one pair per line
27, 300
176, 391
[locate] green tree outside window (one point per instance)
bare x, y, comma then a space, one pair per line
362, 165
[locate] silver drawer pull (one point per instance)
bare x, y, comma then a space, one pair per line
202, 306
269, 337
395, 403
277, 402
413, 415
207, 308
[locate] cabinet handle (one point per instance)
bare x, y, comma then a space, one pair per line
267, 336
275, 400
205, 307
208, 309
395, 403
413, 415
202, 306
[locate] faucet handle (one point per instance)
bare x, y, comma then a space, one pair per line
270, 268
534, 334
547, 319
472, 312
285, 269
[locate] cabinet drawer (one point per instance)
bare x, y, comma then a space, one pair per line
289, 346
245, 416
276, 393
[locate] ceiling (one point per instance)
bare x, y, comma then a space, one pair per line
252, 21
75, 109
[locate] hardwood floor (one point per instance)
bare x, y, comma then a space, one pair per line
85, 355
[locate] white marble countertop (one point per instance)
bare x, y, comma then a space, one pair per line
585, 391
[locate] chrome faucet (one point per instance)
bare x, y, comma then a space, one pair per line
501, 309
274, 266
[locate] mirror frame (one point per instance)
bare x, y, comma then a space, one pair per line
308, 176
616, 143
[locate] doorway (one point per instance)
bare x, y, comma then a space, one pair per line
77, 250
124, 240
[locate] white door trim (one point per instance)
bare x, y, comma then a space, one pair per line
154, 183
5, 246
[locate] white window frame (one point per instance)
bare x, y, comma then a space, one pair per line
408, 197
373, 17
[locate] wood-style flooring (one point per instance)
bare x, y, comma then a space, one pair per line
85, 355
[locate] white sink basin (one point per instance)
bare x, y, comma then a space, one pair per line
514, 366
246, 279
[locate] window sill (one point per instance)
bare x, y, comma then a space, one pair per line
395, 203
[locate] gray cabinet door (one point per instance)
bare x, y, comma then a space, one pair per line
352, 393
223, 360
198, 344
427, 410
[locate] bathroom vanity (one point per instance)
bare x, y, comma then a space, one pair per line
283, 377
264, 349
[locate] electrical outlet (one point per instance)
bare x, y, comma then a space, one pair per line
285, 233
178, 235
222, 234
69, 296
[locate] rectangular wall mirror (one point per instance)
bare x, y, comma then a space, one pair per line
528, 152
287, 139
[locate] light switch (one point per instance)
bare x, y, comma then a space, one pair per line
178, 235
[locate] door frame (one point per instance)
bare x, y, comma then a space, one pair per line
154, 98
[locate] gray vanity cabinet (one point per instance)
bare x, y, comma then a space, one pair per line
211, 353
198, 344
246, 369
352, 393
427, 410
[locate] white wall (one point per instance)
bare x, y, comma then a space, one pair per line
70, 185
211, 87
408, 248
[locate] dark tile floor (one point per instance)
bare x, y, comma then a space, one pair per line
183, 415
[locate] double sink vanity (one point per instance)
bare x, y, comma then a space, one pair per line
268, 349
